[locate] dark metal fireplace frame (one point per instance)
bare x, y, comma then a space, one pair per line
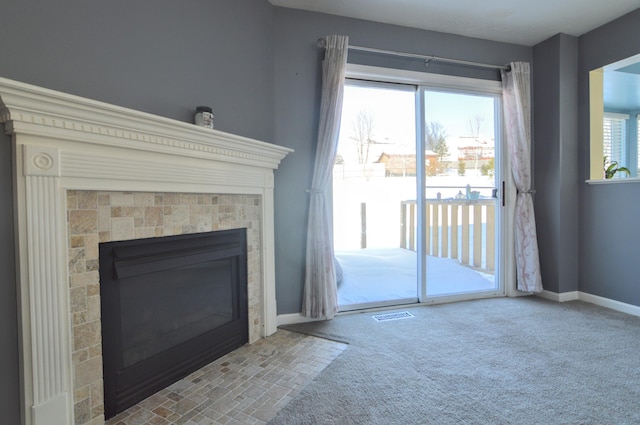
124, 386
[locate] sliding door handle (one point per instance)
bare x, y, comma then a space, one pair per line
495, 193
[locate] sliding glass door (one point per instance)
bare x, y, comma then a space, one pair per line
374, 173
462, 193
417, 194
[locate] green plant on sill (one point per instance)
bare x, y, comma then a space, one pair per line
612, 168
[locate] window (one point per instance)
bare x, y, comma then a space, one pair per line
613, 110
614, 141
638, 139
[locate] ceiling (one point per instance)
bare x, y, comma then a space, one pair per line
525, 22
622, 85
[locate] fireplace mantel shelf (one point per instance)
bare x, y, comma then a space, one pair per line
64, 142
37, 111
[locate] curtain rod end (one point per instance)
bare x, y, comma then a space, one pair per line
322, 43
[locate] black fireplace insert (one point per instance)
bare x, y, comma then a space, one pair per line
169, 305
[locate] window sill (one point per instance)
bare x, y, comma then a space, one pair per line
610, 181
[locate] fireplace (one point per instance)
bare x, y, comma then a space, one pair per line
72, 155
98, 218
169, 306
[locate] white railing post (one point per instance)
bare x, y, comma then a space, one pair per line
491, 240
465, 235
477, 235
445, 230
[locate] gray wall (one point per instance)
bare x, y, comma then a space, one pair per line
555, 93
297, 89
609, 230
163, 57
9, 383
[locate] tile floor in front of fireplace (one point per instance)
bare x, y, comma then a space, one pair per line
247, 386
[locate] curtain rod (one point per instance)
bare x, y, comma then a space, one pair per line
427, 58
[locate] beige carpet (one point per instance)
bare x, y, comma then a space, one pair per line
497, 361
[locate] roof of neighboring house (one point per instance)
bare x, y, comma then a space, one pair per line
427, 153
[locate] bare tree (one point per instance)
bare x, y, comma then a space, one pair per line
362, 126
435, 133
437, 142
475, 125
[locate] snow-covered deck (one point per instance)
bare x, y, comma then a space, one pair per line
373, 275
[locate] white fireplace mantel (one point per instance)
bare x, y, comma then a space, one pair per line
63, 142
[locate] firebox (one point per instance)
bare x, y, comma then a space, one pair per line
169, 305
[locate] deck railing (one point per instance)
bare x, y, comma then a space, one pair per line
461, 229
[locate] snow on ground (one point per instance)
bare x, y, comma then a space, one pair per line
384, 274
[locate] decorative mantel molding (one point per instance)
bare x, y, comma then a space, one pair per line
37, 111
63, 142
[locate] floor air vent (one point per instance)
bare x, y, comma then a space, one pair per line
392, 316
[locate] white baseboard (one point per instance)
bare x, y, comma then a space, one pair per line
593, 299
609, 303
559, 297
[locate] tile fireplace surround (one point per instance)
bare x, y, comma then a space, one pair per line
86, 172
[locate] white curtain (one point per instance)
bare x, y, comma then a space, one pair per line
517, 117
320, 288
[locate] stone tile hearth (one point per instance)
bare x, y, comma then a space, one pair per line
246, 387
